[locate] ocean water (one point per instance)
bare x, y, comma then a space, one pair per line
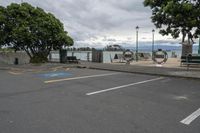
82, 55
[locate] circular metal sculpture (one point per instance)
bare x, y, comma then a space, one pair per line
160, 56
128, 55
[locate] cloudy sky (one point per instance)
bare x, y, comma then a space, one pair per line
97, 23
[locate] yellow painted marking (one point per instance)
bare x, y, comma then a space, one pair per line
66, 69
14, 73
83, 77
54, 69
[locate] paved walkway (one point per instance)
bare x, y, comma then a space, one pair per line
141, 67
46, 66
147, 69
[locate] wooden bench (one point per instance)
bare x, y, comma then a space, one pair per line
72, 59
190, 60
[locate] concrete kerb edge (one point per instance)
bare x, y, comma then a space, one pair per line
67, 66
5, 68
152, 74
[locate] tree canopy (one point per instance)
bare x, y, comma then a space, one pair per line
176, 17
31, 29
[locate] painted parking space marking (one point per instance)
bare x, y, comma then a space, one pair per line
123, 86
14, 73
83, 77
55, 74
191, 117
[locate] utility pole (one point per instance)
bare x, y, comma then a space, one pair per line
153, 31
137, 28
199, 45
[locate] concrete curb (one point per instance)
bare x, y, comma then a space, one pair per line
5, 68
167, 72
41, 67
145, 72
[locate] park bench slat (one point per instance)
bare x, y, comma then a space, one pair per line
190, 60
72, 59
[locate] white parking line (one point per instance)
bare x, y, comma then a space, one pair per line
123, 86
83, 77
191, 117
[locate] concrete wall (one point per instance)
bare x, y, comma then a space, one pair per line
108, 56
97, 56
9, 57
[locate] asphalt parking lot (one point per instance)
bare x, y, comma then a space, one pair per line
95, 101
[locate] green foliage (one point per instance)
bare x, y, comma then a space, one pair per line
31, 29
176, 17
7, 50
39, 58
3, 35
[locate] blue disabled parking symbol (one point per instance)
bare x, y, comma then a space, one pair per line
55, 74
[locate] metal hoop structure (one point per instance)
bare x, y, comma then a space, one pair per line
128, 55
160, 54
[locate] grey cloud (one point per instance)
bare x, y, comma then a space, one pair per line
87, 20
112, 40
129, 5
109, 39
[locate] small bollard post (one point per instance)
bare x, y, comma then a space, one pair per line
16, 62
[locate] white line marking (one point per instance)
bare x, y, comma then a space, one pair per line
191, 117
123, 86
84, 77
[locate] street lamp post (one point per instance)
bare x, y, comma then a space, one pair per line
153, 31
137, 28
199, 45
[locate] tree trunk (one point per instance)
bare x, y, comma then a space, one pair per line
40, 57
187, 45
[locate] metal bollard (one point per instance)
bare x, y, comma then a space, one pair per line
16, 62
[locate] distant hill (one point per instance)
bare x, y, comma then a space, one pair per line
163, 47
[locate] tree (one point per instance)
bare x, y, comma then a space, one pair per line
2, 26
31, 29
176, 17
